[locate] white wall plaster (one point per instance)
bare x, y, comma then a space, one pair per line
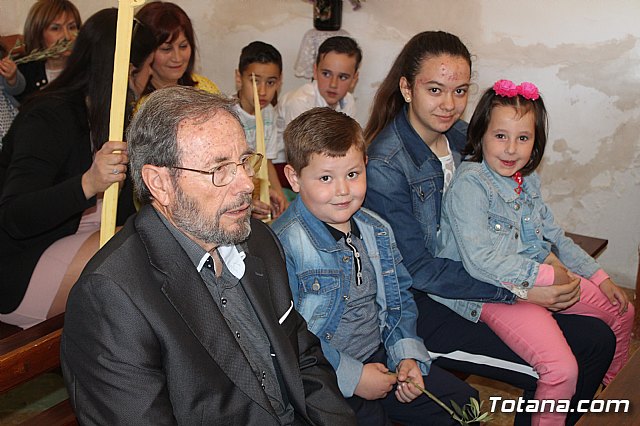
583, 54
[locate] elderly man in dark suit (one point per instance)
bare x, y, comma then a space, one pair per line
185, 316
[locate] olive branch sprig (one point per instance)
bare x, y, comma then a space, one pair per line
465, 415
59, 47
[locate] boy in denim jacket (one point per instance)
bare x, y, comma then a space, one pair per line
348, 281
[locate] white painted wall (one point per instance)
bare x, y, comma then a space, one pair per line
583, 54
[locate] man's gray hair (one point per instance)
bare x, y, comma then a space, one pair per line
152, 134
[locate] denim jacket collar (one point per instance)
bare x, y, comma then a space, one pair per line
321, 238
505, 186
418, 151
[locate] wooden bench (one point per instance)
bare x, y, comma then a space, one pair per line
592, 245
625, 387
26, 354
60, 414
9, 42
29, 353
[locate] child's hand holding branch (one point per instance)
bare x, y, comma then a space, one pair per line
374, 382
409, 375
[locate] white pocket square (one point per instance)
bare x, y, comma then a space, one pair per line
286, 314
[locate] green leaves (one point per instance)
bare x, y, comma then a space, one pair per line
470, 412
38, 54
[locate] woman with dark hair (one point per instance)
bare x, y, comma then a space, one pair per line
54, 168
416, 135
48, 22
175, 53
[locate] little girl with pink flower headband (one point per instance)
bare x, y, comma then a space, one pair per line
495, 221
508, 88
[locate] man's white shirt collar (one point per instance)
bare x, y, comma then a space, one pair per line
231, 256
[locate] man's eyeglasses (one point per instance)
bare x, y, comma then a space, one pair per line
224, 174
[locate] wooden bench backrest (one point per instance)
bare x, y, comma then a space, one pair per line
9, 41
29, 353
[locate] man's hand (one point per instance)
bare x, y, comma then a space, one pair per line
555, 297
375, 383
405, 391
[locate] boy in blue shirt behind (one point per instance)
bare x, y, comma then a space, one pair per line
348, 281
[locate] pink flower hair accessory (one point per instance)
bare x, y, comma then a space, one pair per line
528, 91
505, 88
508, 89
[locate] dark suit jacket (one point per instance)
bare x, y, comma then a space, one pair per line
145, 344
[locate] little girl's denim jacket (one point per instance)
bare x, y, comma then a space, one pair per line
502, 237
404, 186
320, 274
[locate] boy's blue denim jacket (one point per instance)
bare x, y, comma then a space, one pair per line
320, 277
404, 186
500, 236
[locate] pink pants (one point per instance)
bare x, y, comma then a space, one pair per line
531, 332
56, 271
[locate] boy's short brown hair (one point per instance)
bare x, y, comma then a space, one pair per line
321, 130
340, 44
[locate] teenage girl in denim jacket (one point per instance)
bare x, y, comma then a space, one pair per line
414, 121
495, 221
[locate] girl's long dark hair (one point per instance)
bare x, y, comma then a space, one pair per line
388, 101
89, 70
